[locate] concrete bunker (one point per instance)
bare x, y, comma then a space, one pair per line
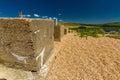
25, 43
58, 32
65, 31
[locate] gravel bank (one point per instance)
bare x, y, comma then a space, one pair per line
92, 59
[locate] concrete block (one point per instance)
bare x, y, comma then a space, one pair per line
25, 43
65, 31
58, 33
70, 31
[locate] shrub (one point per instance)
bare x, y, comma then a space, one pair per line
101, 31
113, 32
82, 27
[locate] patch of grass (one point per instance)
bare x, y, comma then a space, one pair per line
85, 32
95, 31
114, 36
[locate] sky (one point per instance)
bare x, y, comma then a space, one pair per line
79, 11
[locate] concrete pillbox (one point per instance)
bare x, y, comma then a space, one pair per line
25, 43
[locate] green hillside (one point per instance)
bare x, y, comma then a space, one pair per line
69, 24
112, 24
73, 25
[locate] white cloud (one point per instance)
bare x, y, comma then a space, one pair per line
36, 15
50, 18
28, 15
44, 17
60, 20
54, 18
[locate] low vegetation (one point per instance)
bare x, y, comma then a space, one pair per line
111, 30
84, 31
87, 31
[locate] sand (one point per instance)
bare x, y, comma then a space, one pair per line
91, 59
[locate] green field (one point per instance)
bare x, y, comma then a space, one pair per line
84, 32
95, 32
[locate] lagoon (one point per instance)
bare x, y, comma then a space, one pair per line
108, 29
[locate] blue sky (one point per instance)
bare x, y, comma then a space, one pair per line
81, 11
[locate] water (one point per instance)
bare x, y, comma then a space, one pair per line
112, 29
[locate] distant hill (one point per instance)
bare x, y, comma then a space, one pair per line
68, 24
112, 24
116, 23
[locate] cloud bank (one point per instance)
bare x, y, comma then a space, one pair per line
36, 15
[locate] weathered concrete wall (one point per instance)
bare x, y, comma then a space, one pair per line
24, 41
70, 31
58, 32
65, 31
